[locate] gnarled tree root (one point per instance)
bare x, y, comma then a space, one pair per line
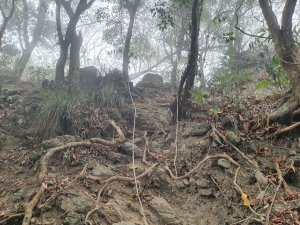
45, 161
286, 109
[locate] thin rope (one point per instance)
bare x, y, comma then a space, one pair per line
176, 139
133, 160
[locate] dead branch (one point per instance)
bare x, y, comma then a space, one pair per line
45, 160
287, 129
11, 217
253, 163
146, 147
201, 164
281, 179
280, 183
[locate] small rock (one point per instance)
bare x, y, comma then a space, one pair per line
206, 192
260, 178
255, 222
186, 182
292, 153
197, 130
224, 163
203, 183
78, 204
73, 218
123, 223
192, 181
101, 170
164, 210
232, 137
180, 184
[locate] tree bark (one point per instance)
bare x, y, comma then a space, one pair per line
74, 67
5, 19
65, 42
132, 9
36, 35
178, 58
285, 48
188, 77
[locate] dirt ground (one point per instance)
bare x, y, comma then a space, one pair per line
231, 168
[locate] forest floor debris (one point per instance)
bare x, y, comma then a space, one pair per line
258, 184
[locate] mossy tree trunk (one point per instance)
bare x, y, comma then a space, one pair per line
285, 47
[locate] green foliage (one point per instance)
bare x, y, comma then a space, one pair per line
274, 69
227, 80
108, 97
198, 98
54, 116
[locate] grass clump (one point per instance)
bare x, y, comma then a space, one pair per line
108, 97
54, 117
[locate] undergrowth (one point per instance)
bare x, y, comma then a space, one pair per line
108, 97
54, 117
58, 109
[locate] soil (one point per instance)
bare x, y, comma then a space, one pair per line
208, 196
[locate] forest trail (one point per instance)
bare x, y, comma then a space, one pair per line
210, 193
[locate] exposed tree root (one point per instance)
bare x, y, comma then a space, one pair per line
11, 217
110, 180
45, 160
201, 164
287, 129
286, 109
121, 178
253, 163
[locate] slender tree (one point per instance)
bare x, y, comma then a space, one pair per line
36, 35
188, 77
132, 7
285, 47
6, 18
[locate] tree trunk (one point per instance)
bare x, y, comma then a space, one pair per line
65, 42
74, 67
285, 48
5, 19
132, 9
188, 77
60, 66
36, 36
178, 58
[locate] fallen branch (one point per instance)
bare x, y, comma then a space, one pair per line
45, 160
